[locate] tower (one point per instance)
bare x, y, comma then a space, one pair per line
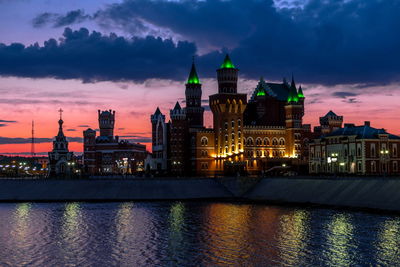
160, 138
106, 123
194, 110
227, 107
294, 112
89, 150
60, 159
179, 140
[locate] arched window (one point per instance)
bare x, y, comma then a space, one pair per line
250, 141
274, 141
204, 141
239, 134
233, 148
233, 124
266, 141
258, 141
282, 142
239, 122
258, 153
226, 125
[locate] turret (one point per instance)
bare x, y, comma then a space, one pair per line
106, 122
227, 76
194, 110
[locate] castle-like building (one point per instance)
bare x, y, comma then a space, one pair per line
248, 136
107, 154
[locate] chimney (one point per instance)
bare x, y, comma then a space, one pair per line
367, 123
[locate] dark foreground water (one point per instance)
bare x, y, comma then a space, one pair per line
193, 234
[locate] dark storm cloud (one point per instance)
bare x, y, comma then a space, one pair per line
57, 20
343, 94
326, 42
8, 121
20, 140
3, 125
95, 57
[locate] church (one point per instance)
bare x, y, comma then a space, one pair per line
249, 136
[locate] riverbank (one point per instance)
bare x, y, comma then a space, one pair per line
369, 193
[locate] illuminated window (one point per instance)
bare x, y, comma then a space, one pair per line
204, 141
266, 141
282, 142
274, 141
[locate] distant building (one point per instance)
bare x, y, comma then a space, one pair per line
329, 123
159, 160
361, 150
248, 135
106, 154
61, 162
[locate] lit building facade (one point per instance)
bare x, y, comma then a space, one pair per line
360, 150
248, 136
106, 154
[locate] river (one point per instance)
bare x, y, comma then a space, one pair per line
193, 234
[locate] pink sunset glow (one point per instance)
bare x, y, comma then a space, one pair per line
24, 100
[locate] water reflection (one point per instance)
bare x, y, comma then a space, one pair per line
340, 240
388, 244
227, 233
73, 234
293, 236
193, 234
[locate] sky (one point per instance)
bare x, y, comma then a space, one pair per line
133, 56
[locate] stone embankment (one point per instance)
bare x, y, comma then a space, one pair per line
371, 193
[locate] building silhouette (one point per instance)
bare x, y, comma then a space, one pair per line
61, 162
107, 154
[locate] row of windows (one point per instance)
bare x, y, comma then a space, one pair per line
239, 123
266, 142
266, 153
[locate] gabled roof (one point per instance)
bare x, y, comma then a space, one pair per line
330, 114
276, 90
177, 106
361, 132
158, 112
227, 64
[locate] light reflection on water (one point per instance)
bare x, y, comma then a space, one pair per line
193, 234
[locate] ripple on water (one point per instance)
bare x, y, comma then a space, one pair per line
193, 234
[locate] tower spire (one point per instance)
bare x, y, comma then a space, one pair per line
227, 64
193, 77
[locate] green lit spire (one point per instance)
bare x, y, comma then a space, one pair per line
300, 93
193, 78
293, 96
260, 88
227, 63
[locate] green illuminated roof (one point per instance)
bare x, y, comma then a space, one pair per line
300, 93
293, 96
260, 89
193, 78
227, 63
